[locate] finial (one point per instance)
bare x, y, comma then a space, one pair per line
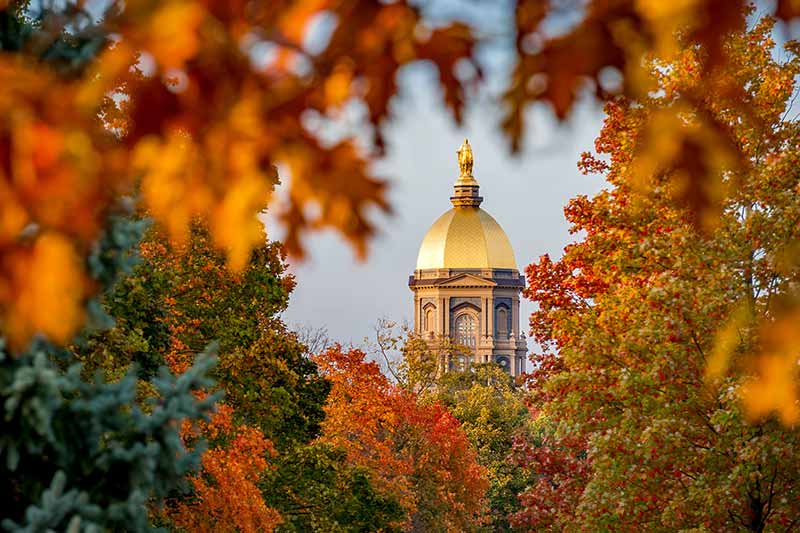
466, 187
465, 159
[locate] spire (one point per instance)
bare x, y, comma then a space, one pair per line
466, 187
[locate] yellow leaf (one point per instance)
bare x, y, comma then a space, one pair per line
774, 390
726, 341
774, 385
13, 216
47, 290
173, 185
174, 33
337, 86
235, 227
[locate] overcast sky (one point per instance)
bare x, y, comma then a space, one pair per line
525, 194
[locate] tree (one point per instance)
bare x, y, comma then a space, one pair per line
266, 375
184, 296
492, 413
226, 495
416, 453
640, 435
482, 397
263, 469
317, 489
416, 364
171, 97
82, 454
315, 339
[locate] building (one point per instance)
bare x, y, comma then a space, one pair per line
466, 284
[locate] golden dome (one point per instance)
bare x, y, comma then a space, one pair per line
466, 236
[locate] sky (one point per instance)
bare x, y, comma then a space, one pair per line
526, 194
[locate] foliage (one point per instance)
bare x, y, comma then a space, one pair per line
616, 41
182, 296
205, 300
416, 453
688, 264
483, 398
274, 385
226, 495
317, 489
82, 455
493, 414
706, 158
262, 470
638, 434
179, 98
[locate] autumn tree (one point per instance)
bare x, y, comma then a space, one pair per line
482, 397
191, 299
76, 454
177, 100
650, 421
262, 468
415, 452
493, 414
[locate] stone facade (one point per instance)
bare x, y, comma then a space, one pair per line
466, 285
475, 308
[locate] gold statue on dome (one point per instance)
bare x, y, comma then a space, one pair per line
465, 159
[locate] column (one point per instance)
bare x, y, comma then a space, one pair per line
418, 326
441, 318
515, 319
447, 316
491, 316
484, 321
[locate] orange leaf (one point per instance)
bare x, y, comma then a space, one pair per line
46, 289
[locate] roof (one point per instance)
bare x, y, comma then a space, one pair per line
466, 237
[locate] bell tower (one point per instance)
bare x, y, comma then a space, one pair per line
466, 284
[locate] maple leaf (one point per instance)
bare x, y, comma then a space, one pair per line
172, 101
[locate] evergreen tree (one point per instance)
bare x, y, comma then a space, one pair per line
81, 454
184, 296
76, 452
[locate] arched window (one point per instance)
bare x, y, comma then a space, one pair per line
502, 321
430, 321
465, 330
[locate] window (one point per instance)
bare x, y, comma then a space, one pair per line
465, 331
504, 362
429, 320
502, 321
